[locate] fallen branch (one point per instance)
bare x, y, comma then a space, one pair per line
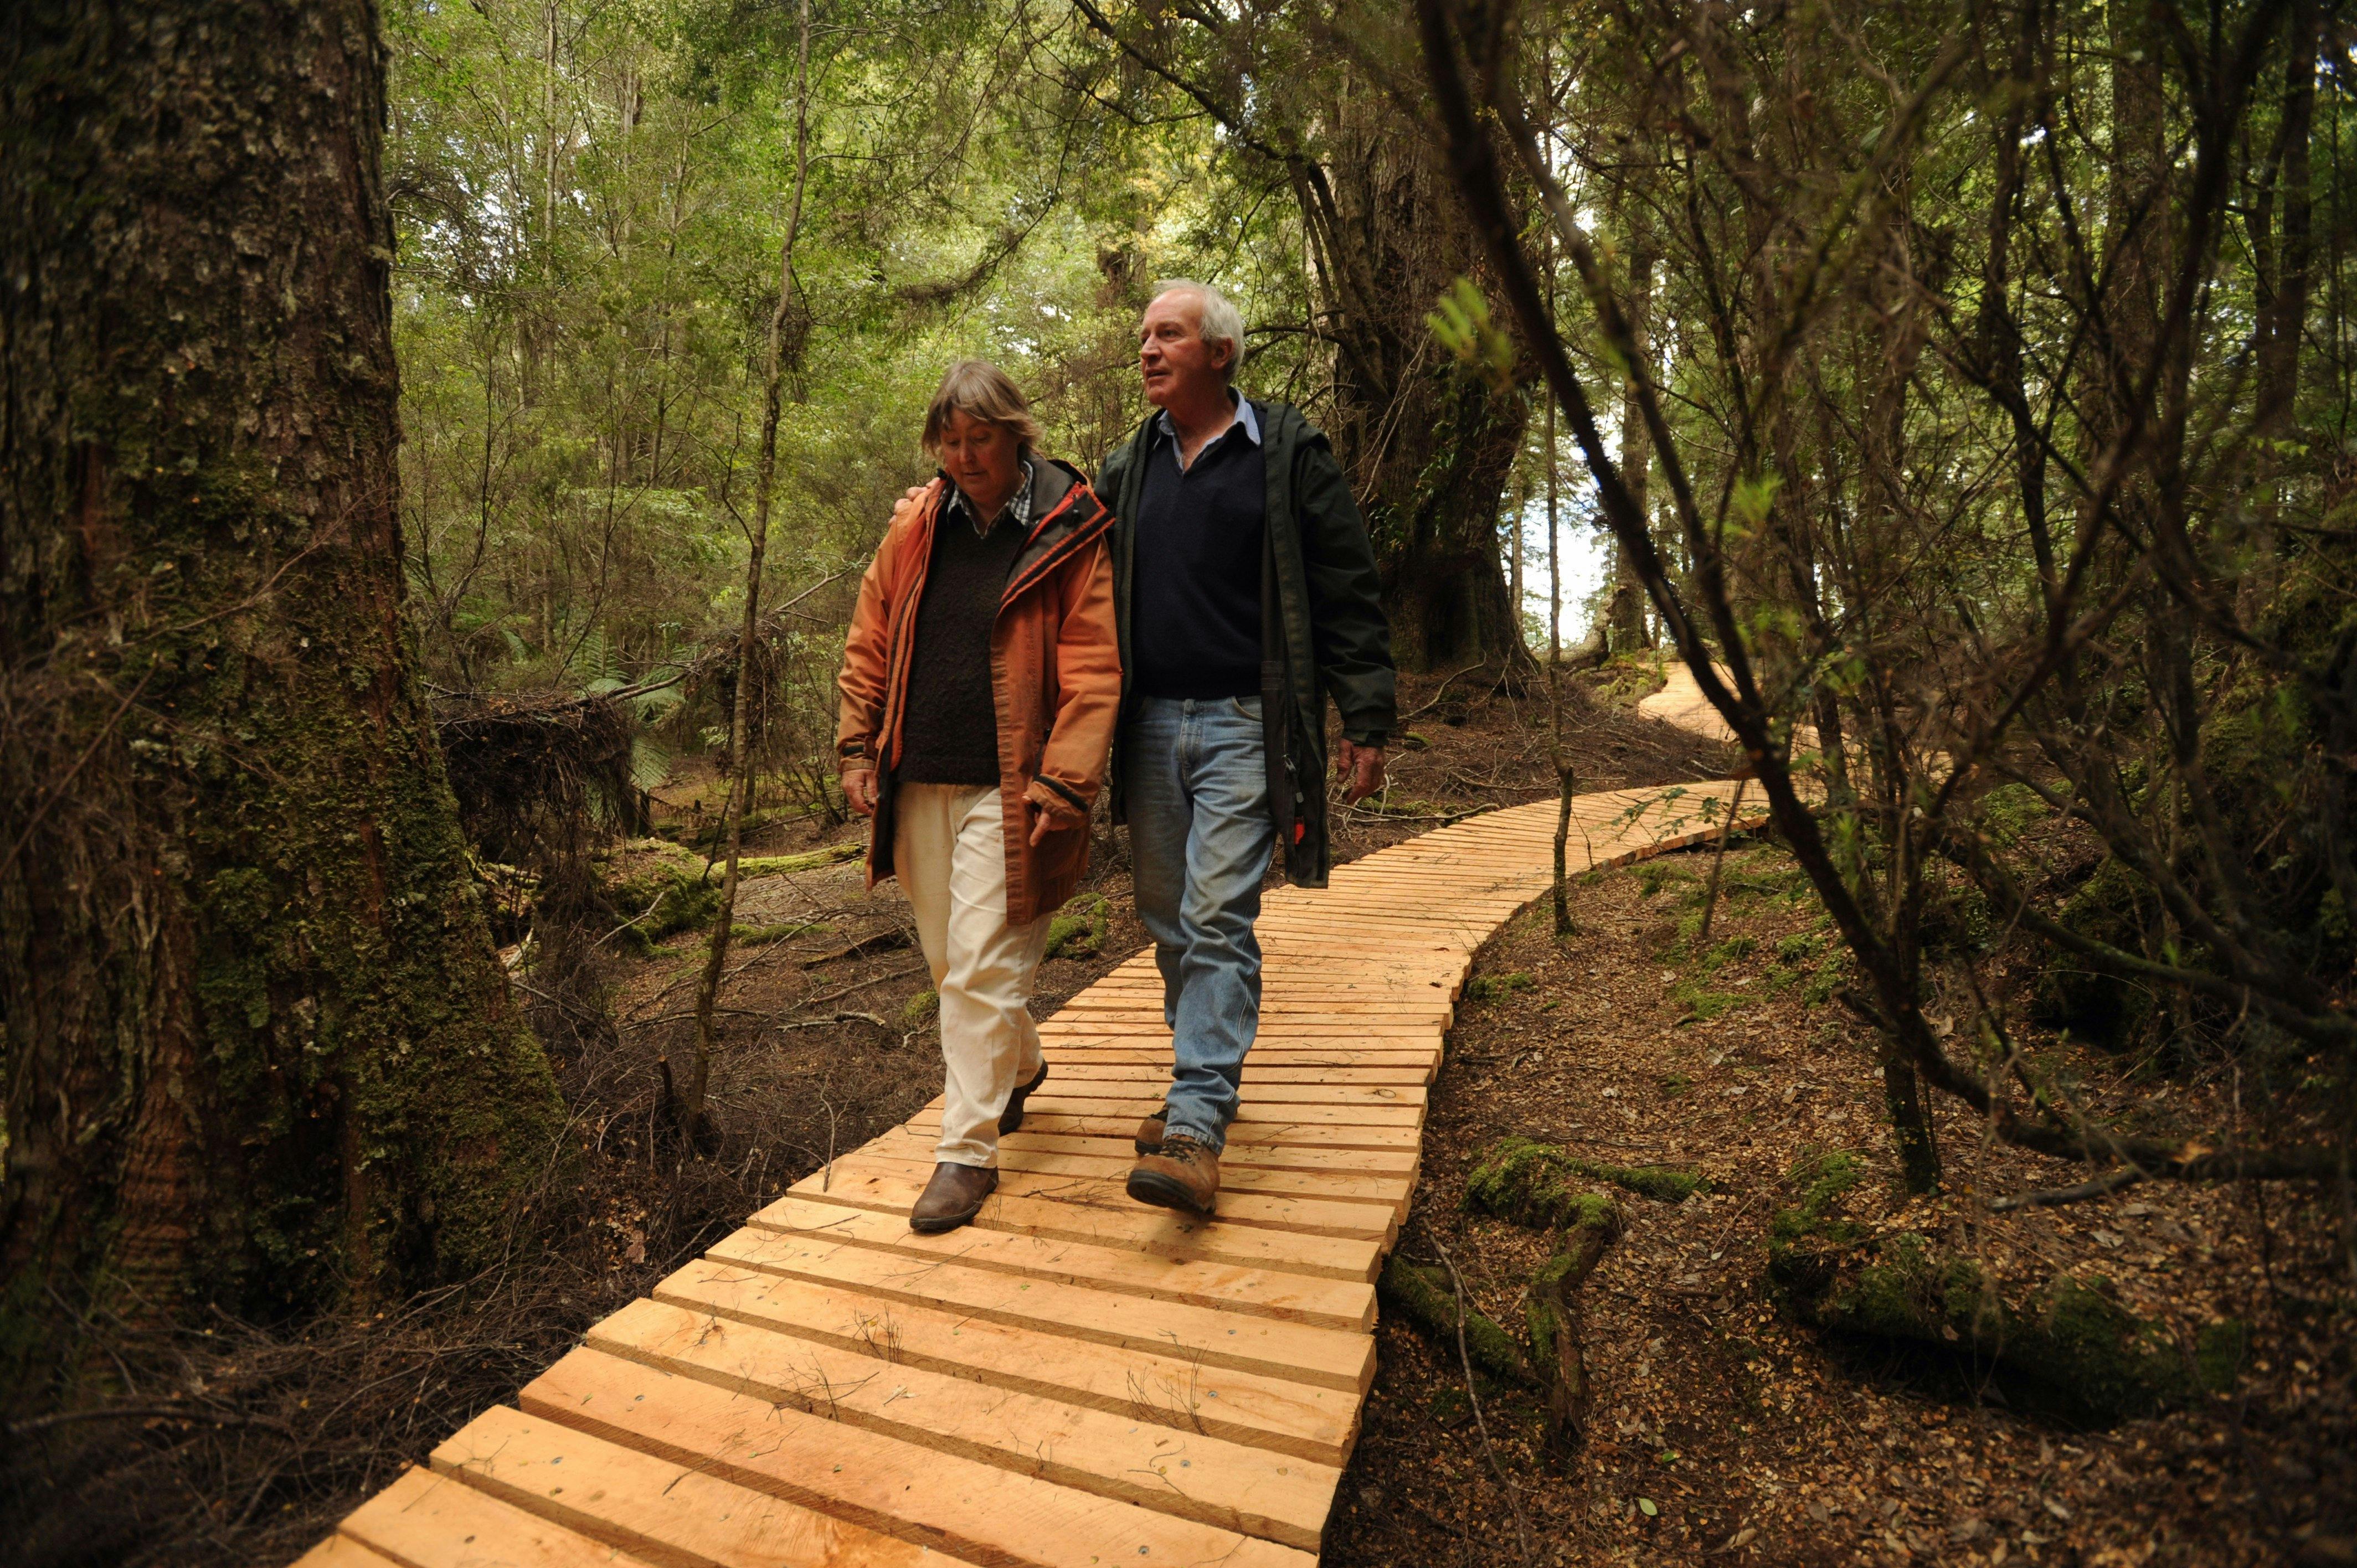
843, 1017
2111, 1181
881, 941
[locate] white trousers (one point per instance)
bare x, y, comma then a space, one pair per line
949, 849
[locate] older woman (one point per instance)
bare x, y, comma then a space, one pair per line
980, 683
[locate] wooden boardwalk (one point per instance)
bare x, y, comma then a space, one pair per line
1075, 1379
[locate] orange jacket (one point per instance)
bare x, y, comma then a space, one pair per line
1055, 675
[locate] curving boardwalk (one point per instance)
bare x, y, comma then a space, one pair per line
1074, 1379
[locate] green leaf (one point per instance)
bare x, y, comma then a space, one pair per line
1463, 326
1649, 1508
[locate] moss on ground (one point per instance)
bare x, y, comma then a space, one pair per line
2090, 1353
1824, 1178
1424, 1293
1079, 929
660, 889
762, 936
1490, 988
787, 864
1530, 1182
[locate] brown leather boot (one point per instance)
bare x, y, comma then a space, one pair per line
1149, 1132
1183, 1173
954, 1196
1011, 1119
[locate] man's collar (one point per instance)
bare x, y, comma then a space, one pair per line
1244, 415
1018, 504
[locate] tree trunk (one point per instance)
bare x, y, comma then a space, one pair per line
1625, 616
1428, 444
739, 799
260, 1051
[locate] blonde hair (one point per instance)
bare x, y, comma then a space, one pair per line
1217, 319
980, 389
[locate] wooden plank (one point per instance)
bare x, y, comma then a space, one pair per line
1335, 977
1048, 1102
1104, 1160
1369, 1031
1270, 1292
1111, 1082
936, 1461
1341, 1136
1432, 1013
674, 1517
1309, 1353
425, 1520
343, 1552
1008, 1393
1154, 1067
1243, 1406
1323, 1045
1252, 1228
1115, 1143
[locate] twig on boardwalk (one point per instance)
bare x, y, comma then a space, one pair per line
1513, 1498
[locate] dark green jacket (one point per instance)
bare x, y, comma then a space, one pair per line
1322, 630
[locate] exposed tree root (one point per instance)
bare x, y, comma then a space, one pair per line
1554, 1317
1529, 1183
1424, 1294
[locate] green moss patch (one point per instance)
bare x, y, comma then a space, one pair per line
2086, 1354
1490, 988
658, 887
1079, 929
1425, 1295
1531, 1183
762, 936
808, 860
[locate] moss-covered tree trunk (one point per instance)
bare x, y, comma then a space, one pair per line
1429, 444
259, 1051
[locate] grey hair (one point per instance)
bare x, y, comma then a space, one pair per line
980, 389
1217, 320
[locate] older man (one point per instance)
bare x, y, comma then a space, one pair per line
1245, 591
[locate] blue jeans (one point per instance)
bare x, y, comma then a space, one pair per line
1201, 835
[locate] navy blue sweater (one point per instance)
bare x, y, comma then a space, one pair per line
1196, 615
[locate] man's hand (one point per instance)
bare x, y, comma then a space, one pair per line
1362, 768
860, 790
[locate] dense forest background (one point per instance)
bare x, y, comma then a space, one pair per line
591, 200
441, 441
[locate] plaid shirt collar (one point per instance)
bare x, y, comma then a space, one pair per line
1018, 506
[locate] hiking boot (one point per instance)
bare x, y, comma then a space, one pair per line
1011, 1119
1149, 1132
1183, 1173
954, 1196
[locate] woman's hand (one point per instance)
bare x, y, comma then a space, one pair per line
859, 790
1050, 813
